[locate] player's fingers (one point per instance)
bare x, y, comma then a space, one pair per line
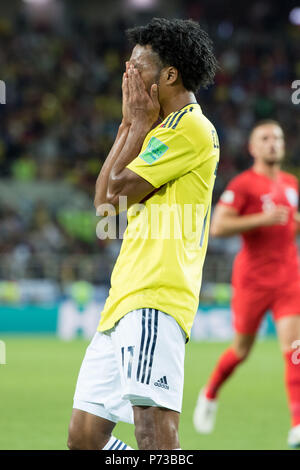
127, 69
154, 94
139, 82
125, 90
283, 208
131, 83
281, 213
284, 217
138, 86
138, 94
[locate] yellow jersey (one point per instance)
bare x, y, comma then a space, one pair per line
164, 246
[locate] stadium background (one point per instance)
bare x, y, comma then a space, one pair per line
62, 63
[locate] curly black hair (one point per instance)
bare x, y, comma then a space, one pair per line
181, 44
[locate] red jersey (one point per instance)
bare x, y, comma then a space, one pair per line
269, 255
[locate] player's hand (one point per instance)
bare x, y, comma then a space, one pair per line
139, 107
278, 215
125, 97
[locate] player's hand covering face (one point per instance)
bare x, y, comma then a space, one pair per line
139, 107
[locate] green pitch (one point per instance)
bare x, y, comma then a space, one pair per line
37, 385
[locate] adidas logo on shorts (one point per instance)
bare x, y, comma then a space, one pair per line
162, 383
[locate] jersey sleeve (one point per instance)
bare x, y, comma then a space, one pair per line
167, 156
235, 195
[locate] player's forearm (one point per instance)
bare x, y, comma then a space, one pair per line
102, 180
234, 225
130, 151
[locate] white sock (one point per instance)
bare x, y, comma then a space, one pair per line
116, 444
177, 449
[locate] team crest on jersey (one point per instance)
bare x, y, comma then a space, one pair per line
155, 149
292, 196
227, 197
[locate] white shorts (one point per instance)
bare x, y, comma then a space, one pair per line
138, 362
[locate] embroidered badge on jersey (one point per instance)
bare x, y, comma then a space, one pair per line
227, 196
292, 196
155, 149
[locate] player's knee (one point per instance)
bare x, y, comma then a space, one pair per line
244, 354
286, 346
243, 351
74, 442
242, 347
78, 440
289, 340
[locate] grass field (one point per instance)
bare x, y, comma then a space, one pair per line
37, 385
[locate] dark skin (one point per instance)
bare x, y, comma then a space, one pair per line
150, 92
155, 429
88, 431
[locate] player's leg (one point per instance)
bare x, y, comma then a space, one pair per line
286, 311
288, 330
88, 431
97, 402
248, 307
206, 408
150, 349
156, 428
229, 360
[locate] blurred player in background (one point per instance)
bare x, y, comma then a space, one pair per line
133, 369
261, 204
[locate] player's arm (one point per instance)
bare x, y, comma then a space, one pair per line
227, 221
102, 180
115, 179
140, 111
297, 214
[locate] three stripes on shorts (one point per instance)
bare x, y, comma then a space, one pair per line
147, 346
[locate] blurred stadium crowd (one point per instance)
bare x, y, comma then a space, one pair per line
63, 111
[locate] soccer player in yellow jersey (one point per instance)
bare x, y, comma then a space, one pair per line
133, 369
